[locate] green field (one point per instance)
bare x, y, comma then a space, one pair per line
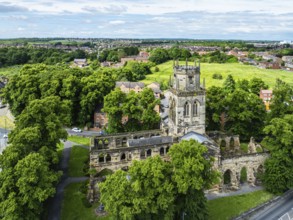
228, 207
237, 70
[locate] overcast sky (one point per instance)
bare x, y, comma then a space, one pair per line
195, 19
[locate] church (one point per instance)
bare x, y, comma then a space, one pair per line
183, 119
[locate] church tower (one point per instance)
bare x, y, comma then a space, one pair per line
186, 101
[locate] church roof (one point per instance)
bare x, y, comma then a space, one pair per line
205, 140
150, 141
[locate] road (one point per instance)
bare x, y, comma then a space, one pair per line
276, 210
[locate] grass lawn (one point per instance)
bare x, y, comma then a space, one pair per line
78, 160
79, 140
9, 71
232, 206
237, 70
73, 207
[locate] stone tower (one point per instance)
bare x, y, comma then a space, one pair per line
186, 101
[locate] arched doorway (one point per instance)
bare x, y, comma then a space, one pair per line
101, 158
122, 157
167, 149
162, 151
149, 152
243, 175
227, 177
108, 158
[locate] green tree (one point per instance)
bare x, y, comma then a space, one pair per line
256, 84
281, 102
229, 84
278, 176
25, 187
133, 111
150, 118
155, 189
159, 55
215, 108
192, 173
244, 112
112, 106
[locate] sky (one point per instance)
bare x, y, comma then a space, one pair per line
193, 19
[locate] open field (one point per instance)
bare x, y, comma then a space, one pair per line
228, 207
237, 70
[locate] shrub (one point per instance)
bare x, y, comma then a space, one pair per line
217, 76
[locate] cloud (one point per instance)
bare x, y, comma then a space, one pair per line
4, 8
116, 22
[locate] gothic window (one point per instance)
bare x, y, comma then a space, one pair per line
195, 109
186, 109
190, 80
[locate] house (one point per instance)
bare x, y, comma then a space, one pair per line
105, 64
156, 88
266, 96
142, 57
288, 59
268, 65
126, 87
80, 62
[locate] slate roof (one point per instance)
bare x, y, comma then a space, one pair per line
205, 140
150, 141
130, 84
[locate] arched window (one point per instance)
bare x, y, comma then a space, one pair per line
194, 109
186, 109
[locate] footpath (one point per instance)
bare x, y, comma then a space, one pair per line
56, 202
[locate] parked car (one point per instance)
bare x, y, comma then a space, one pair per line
76, 130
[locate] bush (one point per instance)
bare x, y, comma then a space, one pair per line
217, 76
156, 69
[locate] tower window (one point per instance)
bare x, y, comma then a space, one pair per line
195, 109
186, 109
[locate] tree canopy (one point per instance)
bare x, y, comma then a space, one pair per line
155, 189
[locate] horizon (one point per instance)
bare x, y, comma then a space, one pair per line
244, 20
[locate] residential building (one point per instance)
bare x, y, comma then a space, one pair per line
266, 96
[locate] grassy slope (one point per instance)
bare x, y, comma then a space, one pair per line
78, 157
228, 207
238, 71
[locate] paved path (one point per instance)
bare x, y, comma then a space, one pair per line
56, 202
245, 188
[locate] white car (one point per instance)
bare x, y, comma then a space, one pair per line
5, 136
76, 130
